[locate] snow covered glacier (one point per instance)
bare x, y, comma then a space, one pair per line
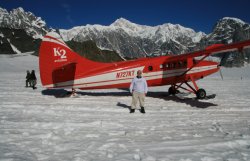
39, 125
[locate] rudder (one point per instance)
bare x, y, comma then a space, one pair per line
57, 62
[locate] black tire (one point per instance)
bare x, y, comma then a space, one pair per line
201, 94
172, 91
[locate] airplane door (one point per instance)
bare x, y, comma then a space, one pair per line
64, 73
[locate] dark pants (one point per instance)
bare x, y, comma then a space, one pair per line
33, 83
28, 83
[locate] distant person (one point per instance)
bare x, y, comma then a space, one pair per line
28, 79
33, 79
138, 89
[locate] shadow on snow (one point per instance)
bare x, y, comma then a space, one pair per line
62, 93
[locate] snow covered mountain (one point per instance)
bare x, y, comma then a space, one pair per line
20, 31
133, 40
229, 30
19, 19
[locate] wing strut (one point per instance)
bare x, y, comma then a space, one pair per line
204, 57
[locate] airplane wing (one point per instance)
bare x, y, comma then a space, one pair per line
211, 50
214, 49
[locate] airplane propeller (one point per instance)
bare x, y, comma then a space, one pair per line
223, 59
221, 75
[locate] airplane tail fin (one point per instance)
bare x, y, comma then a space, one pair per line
57, 62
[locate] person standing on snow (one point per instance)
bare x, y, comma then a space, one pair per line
27, 79
138, 89
33, 79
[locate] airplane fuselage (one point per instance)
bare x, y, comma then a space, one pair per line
157, 71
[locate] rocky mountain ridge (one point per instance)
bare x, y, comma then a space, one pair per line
229, 30
19, 19
139, 40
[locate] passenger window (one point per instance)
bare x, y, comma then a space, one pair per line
150, 68
185, 63
161, 66
174, 65
180, 64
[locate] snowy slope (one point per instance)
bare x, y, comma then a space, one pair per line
37, 125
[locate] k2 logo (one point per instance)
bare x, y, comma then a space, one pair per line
60, 52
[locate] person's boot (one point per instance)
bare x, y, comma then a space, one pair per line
142, 110
132, 110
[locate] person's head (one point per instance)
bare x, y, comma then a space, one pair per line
28, 71
33, 71
139, 73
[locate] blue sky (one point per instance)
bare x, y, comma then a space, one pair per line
200, 15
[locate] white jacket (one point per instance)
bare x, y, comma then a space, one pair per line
139, 85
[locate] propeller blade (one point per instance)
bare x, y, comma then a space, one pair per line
221, 74
223, 59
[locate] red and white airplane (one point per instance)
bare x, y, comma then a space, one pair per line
60, 67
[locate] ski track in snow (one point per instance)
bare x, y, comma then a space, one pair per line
39, 125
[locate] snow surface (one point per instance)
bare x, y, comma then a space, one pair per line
96, 125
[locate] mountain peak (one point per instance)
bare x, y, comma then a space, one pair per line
2, 9
124, 23
121, 21
127, 25
232, 19
18, 10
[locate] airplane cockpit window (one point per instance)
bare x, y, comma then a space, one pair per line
179, 64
